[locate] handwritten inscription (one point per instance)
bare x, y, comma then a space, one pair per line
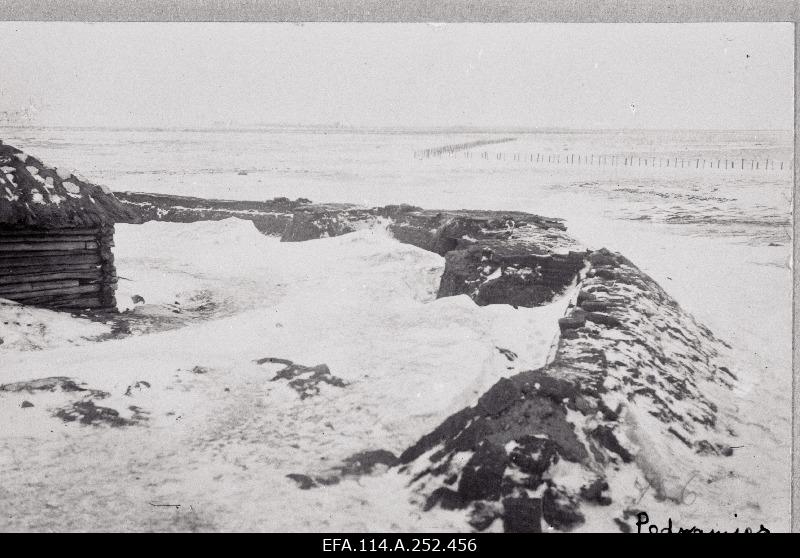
642, 520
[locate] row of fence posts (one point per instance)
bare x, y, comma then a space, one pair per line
450, 150
613, 160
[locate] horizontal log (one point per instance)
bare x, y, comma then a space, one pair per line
50, 238
50, 260
20, 288
66, 306
50, 299
37, 246
51, 292
84, 302
31, 269
16, 256
47, 232
38, 277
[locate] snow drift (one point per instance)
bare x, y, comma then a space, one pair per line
195, 416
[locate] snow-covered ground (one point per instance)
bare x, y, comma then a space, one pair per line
743, 293
718, 241
213, 433
25, 328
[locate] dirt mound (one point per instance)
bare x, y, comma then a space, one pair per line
629, 387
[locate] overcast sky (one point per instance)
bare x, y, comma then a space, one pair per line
736, 75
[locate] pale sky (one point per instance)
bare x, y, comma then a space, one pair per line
718, 76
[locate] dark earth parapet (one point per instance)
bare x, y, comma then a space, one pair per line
269, 217
495, 257
628, 353
630, 385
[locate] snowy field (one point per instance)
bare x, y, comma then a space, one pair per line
216, 436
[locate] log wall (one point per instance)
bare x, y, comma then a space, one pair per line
70, 269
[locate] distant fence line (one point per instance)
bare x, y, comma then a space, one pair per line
613, 160
453, 148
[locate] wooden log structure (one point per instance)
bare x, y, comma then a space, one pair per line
56, 234
60, 268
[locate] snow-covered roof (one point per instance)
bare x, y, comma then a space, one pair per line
35, 195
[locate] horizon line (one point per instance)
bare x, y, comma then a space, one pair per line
385, 128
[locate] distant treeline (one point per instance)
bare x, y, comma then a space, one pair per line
449, 149
613, 160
